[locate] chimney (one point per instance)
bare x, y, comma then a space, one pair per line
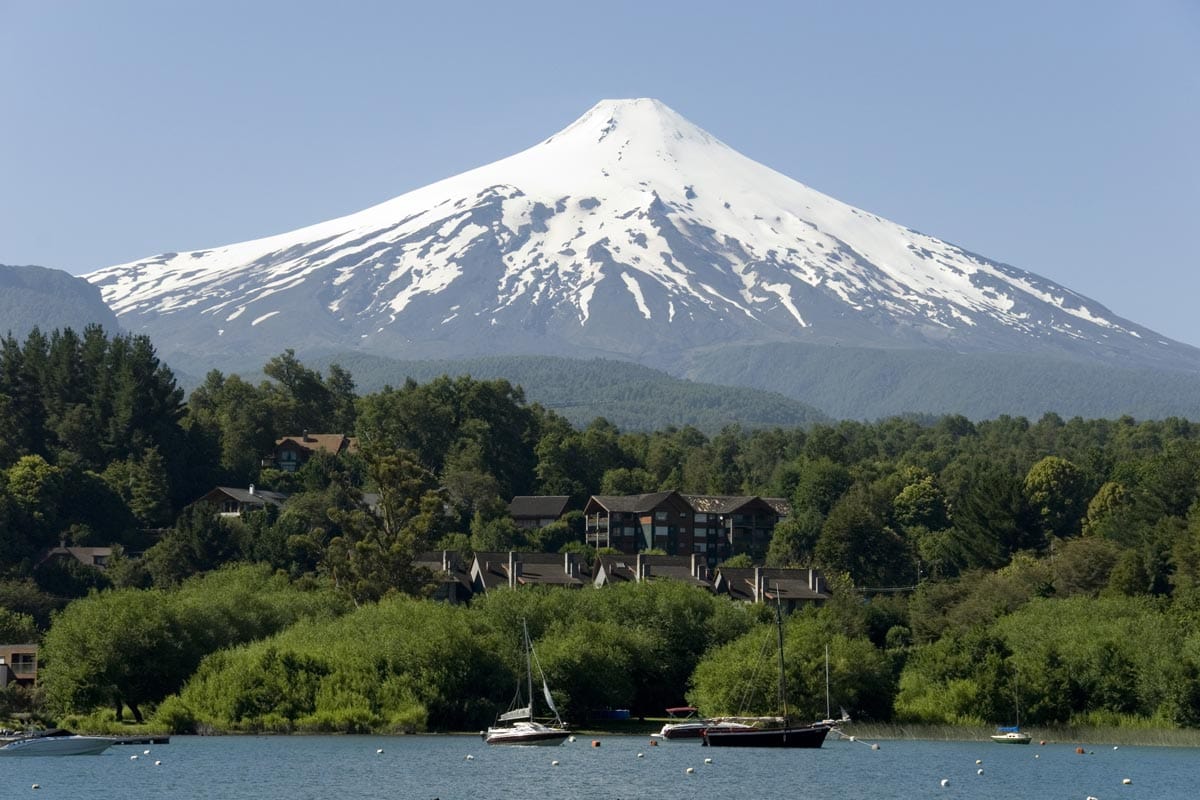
514, 569
695, 566
251, 491
758, 585
304, 437
446, 561
570, 566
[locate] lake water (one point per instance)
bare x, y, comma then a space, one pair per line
453, 767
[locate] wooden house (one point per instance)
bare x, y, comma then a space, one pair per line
291, 452
18, 664
632, 523
531, 512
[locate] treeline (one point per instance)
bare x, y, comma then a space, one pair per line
629, 395
959, 549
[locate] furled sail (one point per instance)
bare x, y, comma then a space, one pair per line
516, 713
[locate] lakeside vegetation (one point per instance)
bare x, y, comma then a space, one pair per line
975, 566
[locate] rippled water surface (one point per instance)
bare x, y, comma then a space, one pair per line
627, 767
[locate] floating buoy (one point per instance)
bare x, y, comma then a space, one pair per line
595, 742
1126, 781
37, 786
470, 757
979, 771
158, 763
654, 742
379, 751
133, 757
1042, 742
690, 770
1035, 755
978, 761
945, 782
853, 739
145, 752
1115, 747
641, 755
570, 738
1079, 750
708, 761
554, 763
874, 747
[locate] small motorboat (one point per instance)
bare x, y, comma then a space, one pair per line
692, 726
55, 742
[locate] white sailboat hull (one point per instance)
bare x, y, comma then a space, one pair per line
527, 733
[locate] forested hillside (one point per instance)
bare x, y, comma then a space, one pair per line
968, 560
628, 395
871, 383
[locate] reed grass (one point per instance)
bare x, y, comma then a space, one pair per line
1065, 734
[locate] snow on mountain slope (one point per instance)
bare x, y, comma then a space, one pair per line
631, 232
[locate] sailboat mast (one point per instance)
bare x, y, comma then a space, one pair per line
1017, 695
782, 674
528, 667
827, 712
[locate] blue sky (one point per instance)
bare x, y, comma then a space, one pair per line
1060, 137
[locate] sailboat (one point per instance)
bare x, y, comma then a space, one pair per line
1012, 734
830, 720
789, 735
521, 727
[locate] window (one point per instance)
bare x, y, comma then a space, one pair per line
700, 519
24, 663
660, 516
700, 547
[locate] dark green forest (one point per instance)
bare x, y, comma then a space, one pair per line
974, 565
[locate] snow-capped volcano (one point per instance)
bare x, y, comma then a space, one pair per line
631, 233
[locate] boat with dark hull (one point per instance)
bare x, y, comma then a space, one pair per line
787, 734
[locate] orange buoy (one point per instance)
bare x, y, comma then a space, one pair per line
595, 742
1079, 750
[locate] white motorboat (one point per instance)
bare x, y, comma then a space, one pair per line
523, 728
57, 742
692, 726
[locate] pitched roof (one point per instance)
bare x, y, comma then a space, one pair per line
635, 503
716, 503
729, 504
446, 566
321, 442
539, 506
785, 582
782, 506
251, 496
533, 568
92, 556
621, 568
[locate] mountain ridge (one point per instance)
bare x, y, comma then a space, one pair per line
630, 234
49, 299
